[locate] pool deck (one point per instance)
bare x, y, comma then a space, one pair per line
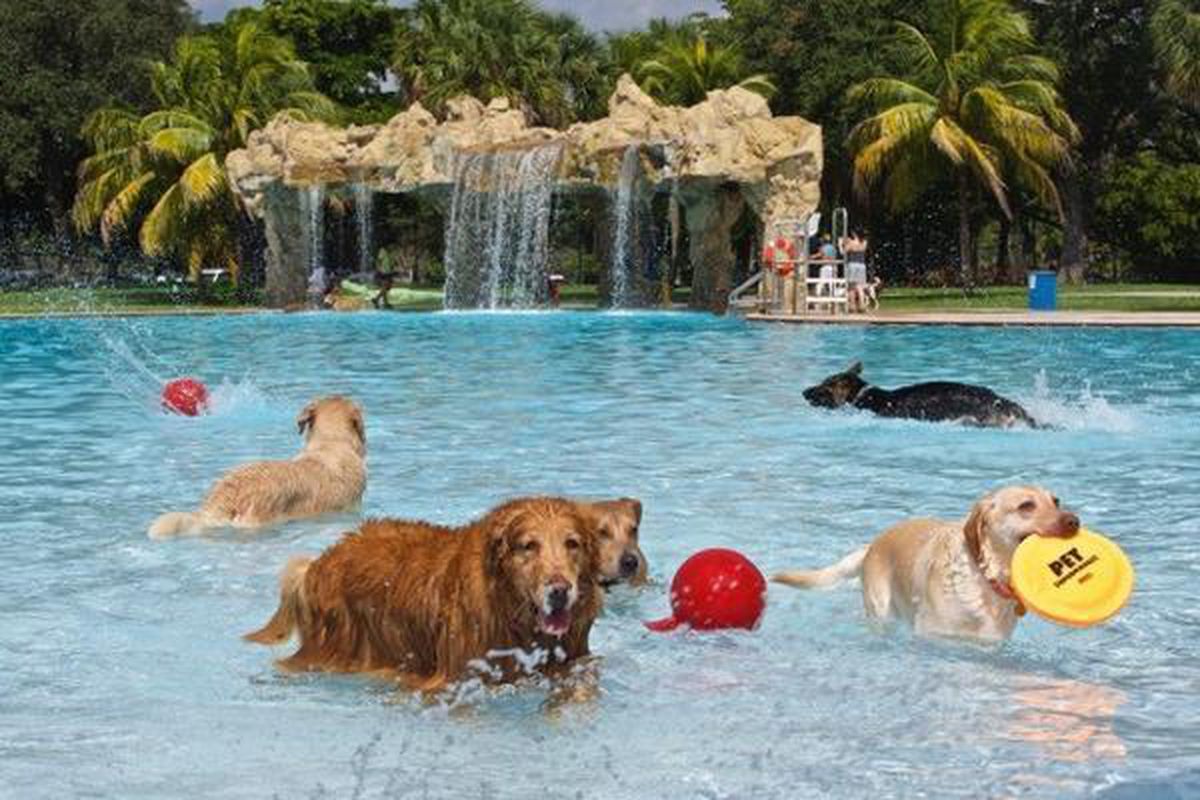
1077, 319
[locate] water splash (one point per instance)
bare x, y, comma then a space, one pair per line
498, 232
625, 231
364, 215
1087, 411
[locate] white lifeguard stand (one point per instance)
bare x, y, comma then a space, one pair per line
825, 286
795, 282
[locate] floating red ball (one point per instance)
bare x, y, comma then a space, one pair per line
713, 589
186, 396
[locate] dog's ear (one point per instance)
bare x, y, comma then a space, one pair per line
856, 368
974, 529
634, 507
499, 540
359, 426
304, 419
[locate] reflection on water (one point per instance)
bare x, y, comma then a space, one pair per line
1068, 720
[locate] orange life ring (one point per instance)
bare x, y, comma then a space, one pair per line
780, 255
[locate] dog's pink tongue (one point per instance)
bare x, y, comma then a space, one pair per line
556, 623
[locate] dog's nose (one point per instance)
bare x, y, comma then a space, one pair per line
629, 565
1069, 524
557, 598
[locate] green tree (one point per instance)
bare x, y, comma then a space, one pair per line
686, 66
167, 168
486, 49
1149, 211
1175, 28
977, 103
347, 45
58, 62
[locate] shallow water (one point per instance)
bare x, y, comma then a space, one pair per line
122, 674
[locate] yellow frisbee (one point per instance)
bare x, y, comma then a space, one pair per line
1080, 581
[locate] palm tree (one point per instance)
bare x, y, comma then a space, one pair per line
1175, 30
167, 168
978, 105
686, 66
486, 49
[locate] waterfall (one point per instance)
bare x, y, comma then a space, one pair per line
363, 214
314, 203
624, 250
498, 231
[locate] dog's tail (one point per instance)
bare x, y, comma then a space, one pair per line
179, 523
848, 567
291, 605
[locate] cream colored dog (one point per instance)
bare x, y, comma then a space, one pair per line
329, 474
621, 558
949, 578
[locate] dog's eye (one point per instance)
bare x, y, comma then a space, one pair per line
633, 534
1028, 507
530, 546
606, 535
572, 544
1056, 504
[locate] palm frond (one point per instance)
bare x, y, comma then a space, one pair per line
118, 214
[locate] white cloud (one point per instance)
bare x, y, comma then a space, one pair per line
599, 15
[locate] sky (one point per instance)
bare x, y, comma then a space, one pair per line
599, 15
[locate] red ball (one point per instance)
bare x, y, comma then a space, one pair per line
715, 588
186, 396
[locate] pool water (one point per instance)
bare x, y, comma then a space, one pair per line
122, 673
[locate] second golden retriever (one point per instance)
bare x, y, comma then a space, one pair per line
329, 474
621, 557
513, 592
949, 578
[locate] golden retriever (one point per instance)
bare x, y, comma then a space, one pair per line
329, 474
513, 592
621, 558
949, 578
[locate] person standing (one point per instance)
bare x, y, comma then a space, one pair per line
855, 249
385, 276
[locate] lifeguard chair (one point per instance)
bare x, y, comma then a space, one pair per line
825, 285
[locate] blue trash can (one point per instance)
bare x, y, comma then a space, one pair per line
1043, 290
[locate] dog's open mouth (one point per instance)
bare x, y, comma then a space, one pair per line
555, 623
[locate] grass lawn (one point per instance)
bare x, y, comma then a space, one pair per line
104, 300
153, 299
1097, 297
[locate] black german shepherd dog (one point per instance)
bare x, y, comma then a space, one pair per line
939, 401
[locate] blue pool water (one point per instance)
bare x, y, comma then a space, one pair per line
122, 673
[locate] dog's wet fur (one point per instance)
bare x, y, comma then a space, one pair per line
938, 401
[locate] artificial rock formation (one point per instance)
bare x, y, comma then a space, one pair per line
716, 156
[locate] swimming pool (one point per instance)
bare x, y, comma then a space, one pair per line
122, 673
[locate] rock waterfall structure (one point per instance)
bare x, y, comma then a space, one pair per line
498, 231
490, 173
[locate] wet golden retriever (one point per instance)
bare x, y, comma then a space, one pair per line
329, 474
949, 578
512, 593
621, 558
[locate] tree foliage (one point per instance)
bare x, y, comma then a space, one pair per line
347, 45
164, 171
1150, 210
1175, 29
497, 48
57, 63
977, 102
685, 66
